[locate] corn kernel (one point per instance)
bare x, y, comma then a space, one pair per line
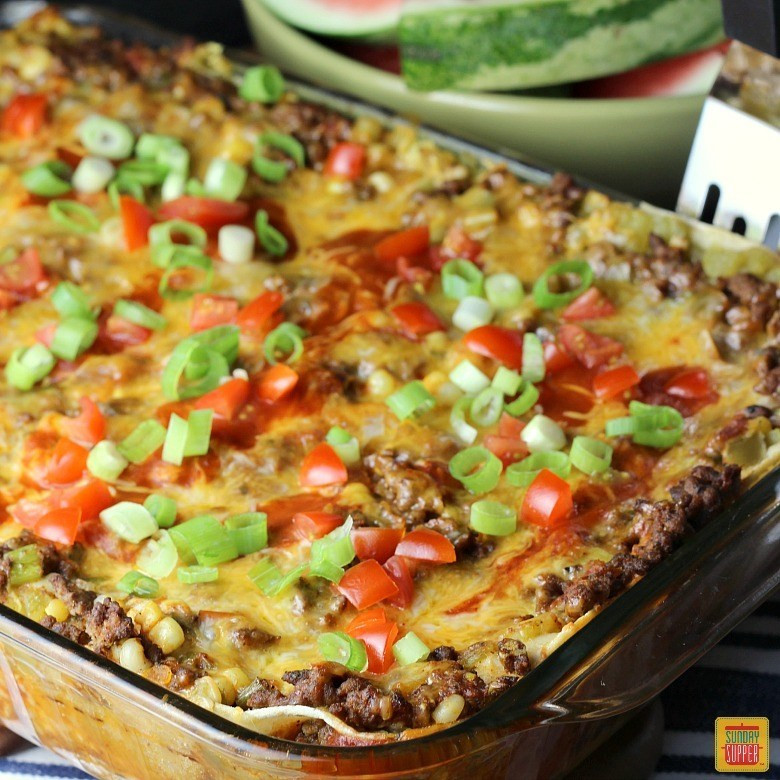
147, 616
167, 635
238, 677
131, 656
380, 383
56, 608
208, 689
227, 688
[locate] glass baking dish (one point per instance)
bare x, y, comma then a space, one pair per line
115, 724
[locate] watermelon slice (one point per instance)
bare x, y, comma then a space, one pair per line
689, 74
367, 19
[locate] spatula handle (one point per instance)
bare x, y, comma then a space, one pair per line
754, 22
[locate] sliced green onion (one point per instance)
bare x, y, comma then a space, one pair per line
163, 234
543, 434
533, 358
25, 565
468, 377
493, 518
410, 649
173, 187
461, 278
129, 521
486, 408
506, 381
236, 244
262, 84
125, 186
273, 241
341, 648
106, 137
477, 469
146, 173
335, 547
224, 179
504, 291
92, 175
465, 432
195, 535
288, 144
284, 343
175, 440
412, 400
143, 442
545, 299
195, 188
74, 216
198, 432
525, 401
164, 254
70, 301
653, 426
223, 551
138, 584
158, 557
47, 179
191, 575
138, 314
199, 262
28, 365
590, 455
105, 461
472, 312
150, 145
621, 426
268, 169
175, 159
223, 339
527, 470
73, 336
162, 509
249, 532
347, 447
327, 570
270, 580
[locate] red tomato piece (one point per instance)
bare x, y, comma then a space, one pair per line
510, 426
615, 381
501, 344
23, 274
136, 221
256, 314
691, 383
25, 115
591, 305
588, 348
555, 358
426, 545
59, 525
379, 639
405, 243
45, 335
398, 570
277, 382
322, 466
547, 501
458, 243
346, 160
314, 525
376, 543
89, 427
416, 319
91, 497
508, 448
366, 584
365, 618
119, 333
227, 400
208, 311
66, 463
210, 213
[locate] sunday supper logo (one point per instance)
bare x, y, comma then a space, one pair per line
742, 744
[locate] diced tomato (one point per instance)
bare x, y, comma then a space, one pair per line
366, 584
23, 274
227, 400
615, 381
426, 545
322, 466
508, 448
591, 305
588, 348
91, 497
136, 221
376, 543
365, 618
413, 273
277, 382
379, 638
59, 525
65, 464
688, 389
89, 427
555, 358
208, 311
547, 501
45, 335
211, 214
117, 333
314, 525
510, 426
7, 300
501, 344
25, 115
405, 243
256, 314
346, 160
416, 319
398, 570
458, 243
692, 383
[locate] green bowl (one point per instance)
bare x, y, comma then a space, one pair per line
638, 146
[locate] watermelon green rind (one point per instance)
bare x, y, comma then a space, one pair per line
532, 43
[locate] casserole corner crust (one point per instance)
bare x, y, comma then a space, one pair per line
377, 237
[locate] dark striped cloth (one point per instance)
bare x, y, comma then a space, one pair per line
740, 677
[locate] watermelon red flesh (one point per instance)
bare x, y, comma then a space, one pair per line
689, 74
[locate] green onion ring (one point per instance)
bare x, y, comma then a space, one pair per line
477, 469
545, 299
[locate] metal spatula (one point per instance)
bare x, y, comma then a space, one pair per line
733, 175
